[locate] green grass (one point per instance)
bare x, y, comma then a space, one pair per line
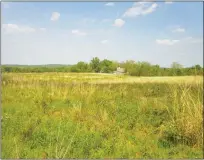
54, 115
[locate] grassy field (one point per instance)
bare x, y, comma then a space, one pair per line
67, 115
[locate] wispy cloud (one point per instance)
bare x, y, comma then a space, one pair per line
193, 40
185, 40
78, 32
168, 42
14, 28
178, 29
104, 41
110, 4
140, 8
55, 16
119, 23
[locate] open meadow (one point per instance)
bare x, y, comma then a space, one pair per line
89, 115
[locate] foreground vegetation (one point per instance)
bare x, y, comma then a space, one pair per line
72, 115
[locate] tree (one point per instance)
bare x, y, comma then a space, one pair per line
197, 69
176, 65
176, 69
106, 66
95, 64
82, 66
114, 65
7, 69
145, 69
129, 66
155, 70
74, 68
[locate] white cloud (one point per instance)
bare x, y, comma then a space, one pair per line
110, 4
179, 29
14, 28
104, 41
55, 16
184, 41
119, 23
167, 42
78, 33
140, 8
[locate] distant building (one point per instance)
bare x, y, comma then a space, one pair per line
119, 71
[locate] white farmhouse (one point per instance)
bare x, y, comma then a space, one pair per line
119, 71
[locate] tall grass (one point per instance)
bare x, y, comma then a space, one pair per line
66, 116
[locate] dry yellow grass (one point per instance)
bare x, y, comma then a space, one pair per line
101, 78
173, 80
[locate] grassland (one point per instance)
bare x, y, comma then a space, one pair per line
67, 115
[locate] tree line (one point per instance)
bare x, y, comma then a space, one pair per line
107, 66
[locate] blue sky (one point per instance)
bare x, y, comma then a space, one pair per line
68, 32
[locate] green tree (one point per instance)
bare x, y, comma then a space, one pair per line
106, 66
176, 69
197, 70
155, 70
82, 66
95, 64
